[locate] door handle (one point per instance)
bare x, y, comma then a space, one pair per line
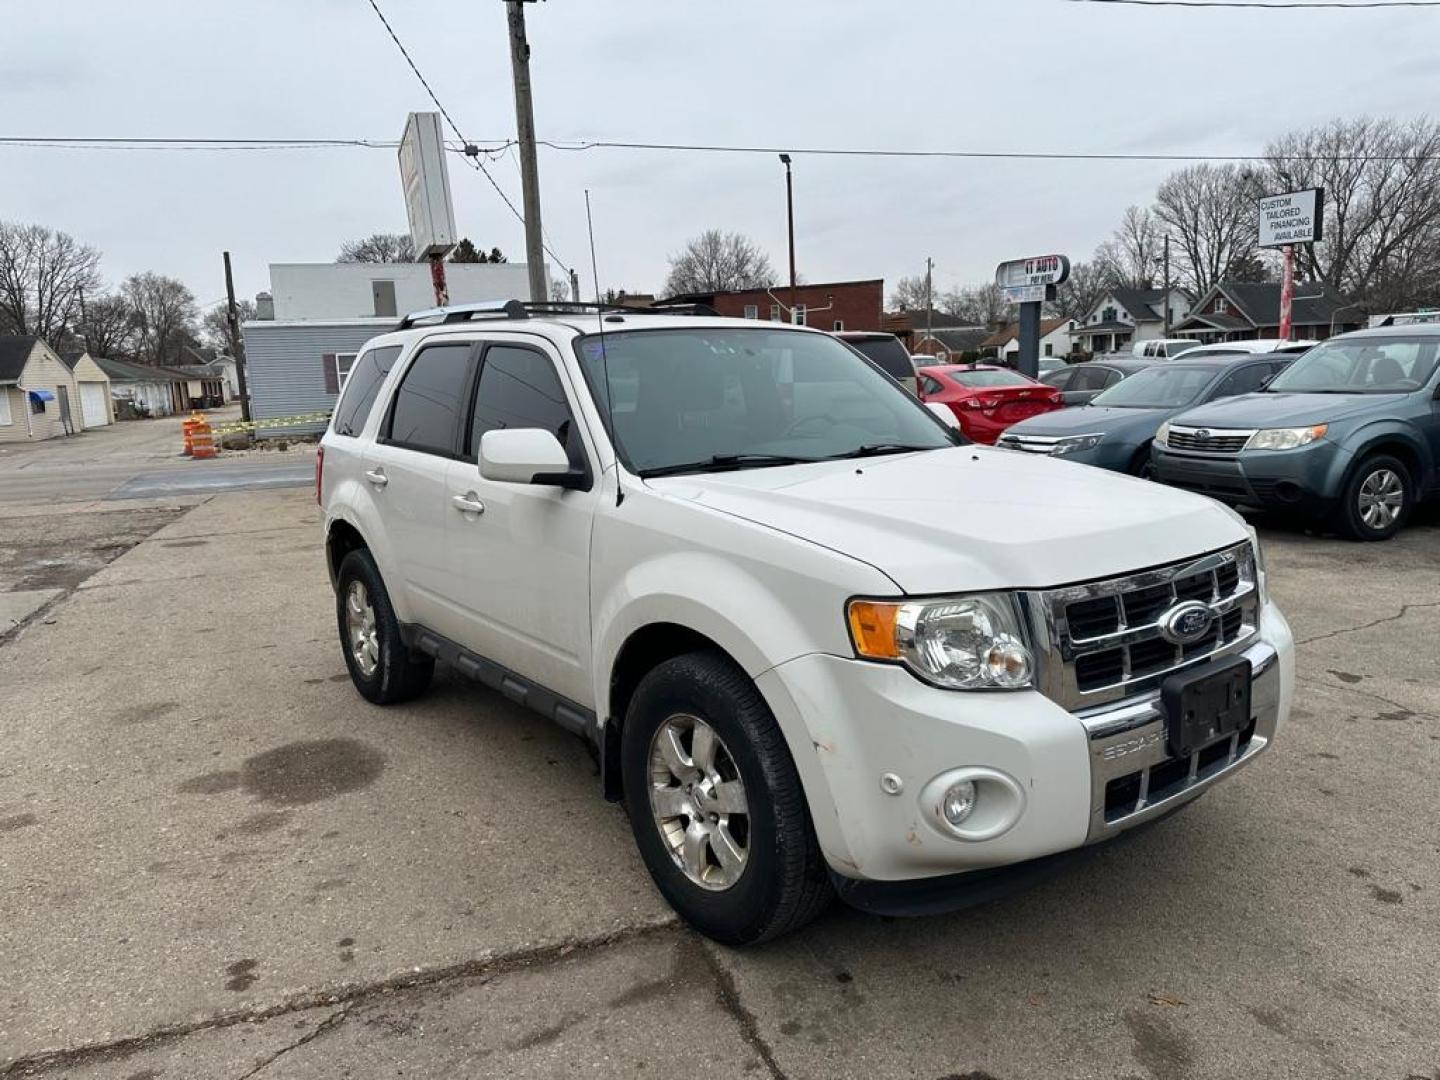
377, 477
468, 503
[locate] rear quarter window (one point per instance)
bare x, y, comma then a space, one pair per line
361, 389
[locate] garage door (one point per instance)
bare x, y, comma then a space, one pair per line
94, 404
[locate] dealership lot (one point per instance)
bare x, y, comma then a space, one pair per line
217, 860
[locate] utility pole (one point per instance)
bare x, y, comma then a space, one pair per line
237, 347
1166, 301
790, 219
525, 133
929, 300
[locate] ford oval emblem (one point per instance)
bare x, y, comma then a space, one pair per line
1187, 623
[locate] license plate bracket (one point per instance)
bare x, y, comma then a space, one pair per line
1206, 704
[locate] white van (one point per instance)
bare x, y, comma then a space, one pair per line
1163, 348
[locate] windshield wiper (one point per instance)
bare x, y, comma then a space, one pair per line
876, 449
725, 462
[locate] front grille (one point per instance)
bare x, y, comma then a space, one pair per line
1106, 639
1206, 441
1029, 444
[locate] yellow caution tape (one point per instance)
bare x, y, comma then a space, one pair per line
271, 422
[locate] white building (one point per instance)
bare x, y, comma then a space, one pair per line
1125, 316
1054, 340
307, 292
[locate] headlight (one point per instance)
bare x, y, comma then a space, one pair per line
1163, 435
1075, 444
1259, 556
959, 642
1286, 438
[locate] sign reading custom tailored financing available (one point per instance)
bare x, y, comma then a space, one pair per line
1029, 281
1296, 217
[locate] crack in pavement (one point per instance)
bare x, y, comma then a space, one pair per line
349, 996
728, 996
1366, 694
334, 1020
1405, 609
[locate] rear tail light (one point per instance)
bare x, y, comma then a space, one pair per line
320, 475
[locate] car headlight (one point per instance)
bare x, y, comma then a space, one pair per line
1162, 437
1286, 438
957, 642
1258, 554
1075, 444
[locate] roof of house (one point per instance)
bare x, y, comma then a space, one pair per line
1003, 337
14, 355
956, 338
125, 371
1111, 327
1257, 304
1140, 303
213, 370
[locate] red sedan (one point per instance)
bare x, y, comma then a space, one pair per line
987, 399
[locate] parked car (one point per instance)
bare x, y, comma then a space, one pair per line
1115, 430
886, 351
1349, 434
817, 642
1252, 347
986, 399
1163, 348
1079, 383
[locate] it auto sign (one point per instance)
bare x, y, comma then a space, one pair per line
1036, 270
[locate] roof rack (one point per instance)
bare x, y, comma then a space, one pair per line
524, 309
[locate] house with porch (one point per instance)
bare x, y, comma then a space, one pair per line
1246, 310
1125, 316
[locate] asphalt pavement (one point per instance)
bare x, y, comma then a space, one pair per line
217, 860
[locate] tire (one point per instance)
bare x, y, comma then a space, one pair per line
783, 882
1380, 475
398, 673
1141, 465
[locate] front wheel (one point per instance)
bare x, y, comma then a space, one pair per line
716, 805
1377, 499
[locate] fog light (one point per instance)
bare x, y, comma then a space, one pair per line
959, 802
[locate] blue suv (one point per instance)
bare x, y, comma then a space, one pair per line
1348, 435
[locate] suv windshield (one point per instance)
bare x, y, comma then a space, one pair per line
1361, 366
1165, 386
710, 398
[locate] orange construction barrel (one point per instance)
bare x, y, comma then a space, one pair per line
202, 440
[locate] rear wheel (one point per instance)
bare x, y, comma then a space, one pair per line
1377, 499
382, 667
716, 805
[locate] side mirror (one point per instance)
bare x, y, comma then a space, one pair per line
526, 456
942, 410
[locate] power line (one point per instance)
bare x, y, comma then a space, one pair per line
146, 143
1280, 5
470, 150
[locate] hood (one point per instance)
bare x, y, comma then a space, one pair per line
1088, 419
971, 518
1282, 410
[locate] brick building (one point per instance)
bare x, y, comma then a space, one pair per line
834, 305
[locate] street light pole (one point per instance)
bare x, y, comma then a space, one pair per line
525, 134
790, 218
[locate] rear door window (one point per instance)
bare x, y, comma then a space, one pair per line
431, 400
361, 388
1061, 379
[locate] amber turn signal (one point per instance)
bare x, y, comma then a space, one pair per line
872, 628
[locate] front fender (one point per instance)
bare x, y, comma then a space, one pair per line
1376, 433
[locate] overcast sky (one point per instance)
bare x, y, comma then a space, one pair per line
1014, 75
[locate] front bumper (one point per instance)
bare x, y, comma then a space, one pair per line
856, 727
1307, 479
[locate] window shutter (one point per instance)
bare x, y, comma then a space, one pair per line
332, 380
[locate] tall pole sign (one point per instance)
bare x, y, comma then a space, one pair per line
1029, 283
426, 181
1294, 217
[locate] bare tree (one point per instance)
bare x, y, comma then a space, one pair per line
110, 327
215, 324
1382, 204
165, 315
1081, 291
43, 275
909, 294
717, 261
378, 248
1209, 210
979, 305
1130, 256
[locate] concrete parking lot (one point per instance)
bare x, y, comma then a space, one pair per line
217, 860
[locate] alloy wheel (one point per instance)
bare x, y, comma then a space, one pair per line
698, 802
360, 625
1381, 499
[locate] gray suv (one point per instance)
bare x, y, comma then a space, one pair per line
1349, 434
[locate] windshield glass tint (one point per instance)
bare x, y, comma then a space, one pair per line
1161, 387
981, 379
683, 396
1361, 366
889, 354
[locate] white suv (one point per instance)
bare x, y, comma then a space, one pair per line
818, 642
